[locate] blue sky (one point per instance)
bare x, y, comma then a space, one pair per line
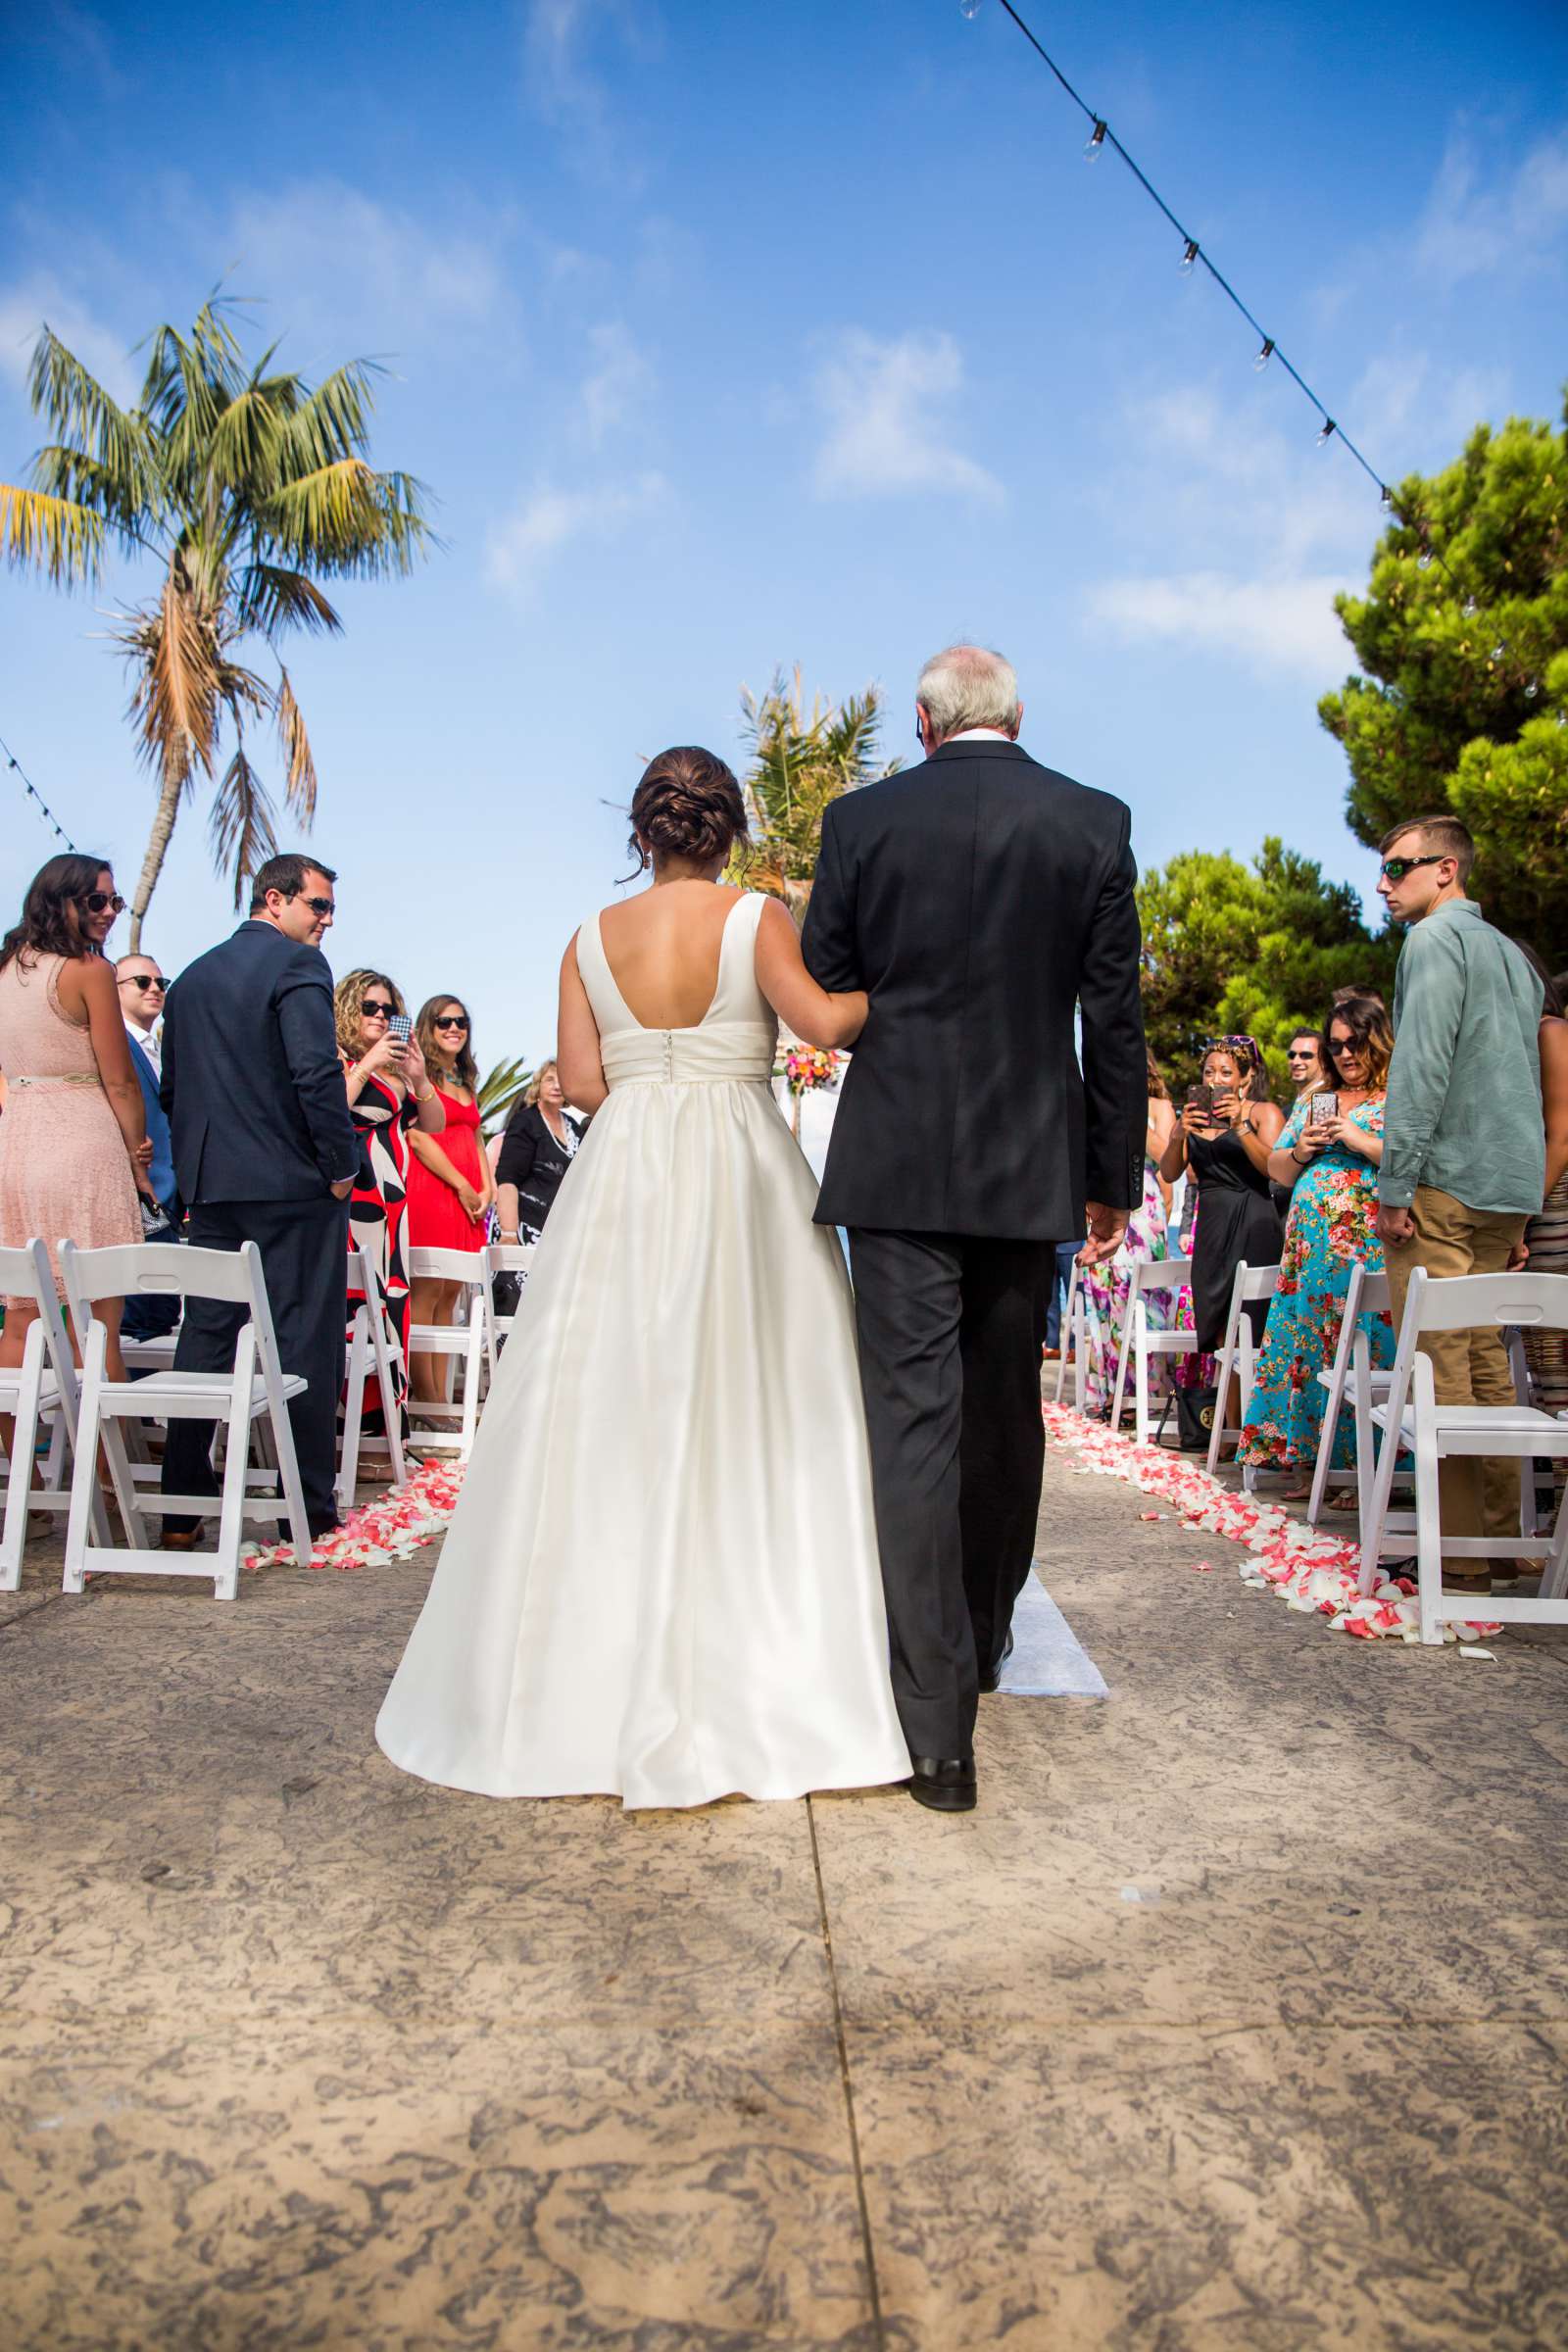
730, 338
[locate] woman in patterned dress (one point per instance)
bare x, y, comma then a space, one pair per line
1331, 1168
389, 1092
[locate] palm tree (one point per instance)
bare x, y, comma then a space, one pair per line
798, 765
246, 488
498, 1090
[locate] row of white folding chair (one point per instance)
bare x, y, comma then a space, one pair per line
1352, 1380
1238, 1356
367, 1351
1141, 1343
45, 1388
254, 1395
1410, 1419
1083, 1340
471, 1341
504, 1257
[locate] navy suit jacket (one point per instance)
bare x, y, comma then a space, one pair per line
252, 1085
983, 901
161, 1170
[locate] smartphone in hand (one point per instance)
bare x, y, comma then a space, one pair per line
400, 1029
1323, 1109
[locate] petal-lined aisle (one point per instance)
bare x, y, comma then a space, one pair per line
390, 1528
1310, 1572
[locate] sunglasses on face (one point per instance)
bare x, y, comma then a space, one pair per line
371, 1009
1395, 869
1299, 1053
95, 900
449, 1021
143, 980
322, 905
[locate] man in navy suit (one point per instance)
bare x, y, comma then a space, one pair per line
265, 1152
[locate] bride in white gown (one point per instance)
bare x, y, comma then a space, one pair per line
661, 1578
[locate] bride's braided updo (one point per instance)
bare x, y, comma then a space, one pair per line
688, 804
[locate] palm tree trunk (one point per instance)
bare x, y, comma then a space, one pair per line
152, 865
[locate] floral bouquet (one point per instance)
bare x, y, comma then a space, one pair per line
806, 1066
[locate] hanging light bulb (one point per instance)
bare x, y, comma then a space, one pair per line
1531, 689
1266, 355
1471, 607
1423, 562
1499, 648
969, 8
1325, 431
1189, 256
1096, 142
1562, 718
1386, 501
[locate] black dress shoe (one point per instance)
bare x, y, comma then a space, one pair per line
944, 1782
321, 1527
991, 1676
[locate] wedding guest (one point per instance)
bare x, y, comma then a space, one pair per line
1223, 1142
141, 988
1463, 1164
264, 1151
74, 1149
389, 1093
1305, 1063
1328, 1167
450, 1185
1108, 1286
1546, 1234
539, 1147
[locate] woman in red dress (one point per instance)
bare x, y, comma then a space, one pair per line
450, 1184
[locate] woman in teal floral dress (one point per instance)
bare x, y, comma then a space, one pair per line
1331, 1166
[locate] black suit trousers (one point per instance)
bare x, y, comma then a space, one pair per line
304, 1247
951, 1332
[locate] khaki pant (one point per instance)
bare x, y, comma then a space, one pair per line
1468, 1367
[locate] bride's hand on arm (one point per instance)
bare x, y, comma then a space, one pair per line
578, 1062
820, 1016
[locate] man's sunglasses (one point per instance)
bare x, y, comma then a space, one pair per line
145, 980
322, 905
95, 900
372, 1008
449, 1021
1395, 869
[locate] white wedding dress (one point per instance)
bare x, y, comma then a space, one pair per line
661, 1581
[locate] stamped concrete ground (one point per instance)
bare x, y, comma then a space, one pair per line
1237, 2016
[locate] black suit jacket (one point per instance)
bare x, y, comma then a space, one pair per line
252, 1081
981, 898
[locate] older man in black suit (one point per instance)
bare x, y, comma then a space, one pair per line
982, 901
265, 1152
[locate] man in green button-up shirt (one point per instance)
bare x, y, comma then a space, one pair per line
1464, 1153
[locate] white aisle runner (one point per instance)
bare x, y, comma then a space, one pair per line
1048, 1661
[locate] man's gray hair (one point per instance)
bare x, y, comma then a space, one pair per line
967, 686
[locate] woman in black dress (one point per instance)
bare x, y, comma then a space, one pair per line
539, 1145
1224, 1143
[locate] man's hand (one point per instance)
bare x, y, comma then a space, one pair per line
342, 1188
1519, 1256
1395, 1226
1108, 1227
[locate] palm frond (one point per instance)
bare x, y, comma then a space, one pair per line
84, 415
245, 440
346, 520
335, 421
240, 828
57, 536
270, 598
498, 1090
127, 504
299, 789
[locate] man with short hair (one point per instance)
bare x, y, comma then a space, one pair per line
982, 901
1464, 1150
264, 1150
141, 987
1305, 1063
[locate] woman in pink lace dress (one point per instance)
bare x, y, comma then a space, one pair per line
74, 1146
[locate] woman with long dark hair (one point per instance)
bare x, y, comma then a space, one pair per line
74, 1149
451, 1188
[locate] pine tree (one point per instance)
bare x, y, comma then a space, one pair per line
1463, 634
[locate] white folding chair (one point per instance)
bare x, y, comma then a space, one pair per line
255, 1394
1083, 1340
503, 1258
45, 1387
368, 1347
469, 1341
1138, 1343
1239, 1355
1353, 1380
1410, 1417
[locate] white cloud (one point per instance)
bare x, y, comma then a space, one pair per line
352, 267
560, 80
1281, 623
1469, 227
615, 385
886, 402
40, 301
547, 520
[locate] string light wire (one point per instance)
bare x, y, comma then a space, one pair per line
13, 764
